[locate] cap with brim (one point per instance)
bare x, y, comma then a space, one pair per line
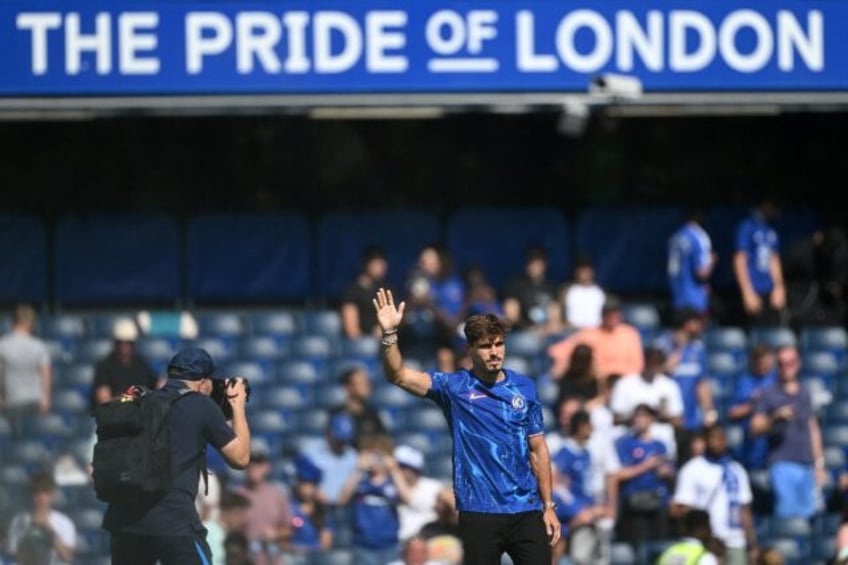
410, 457
306, 471
125, 330
191, 364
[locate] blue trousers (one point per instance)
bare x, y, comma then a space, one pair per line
794, 486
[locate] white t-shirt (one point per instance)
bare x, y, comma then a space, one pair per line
583, 304
22, 357
59, 523
632, 390
421, 509
701, 485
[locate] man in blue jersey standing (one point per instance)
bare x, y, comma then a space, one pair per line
758, 268
501, 465
690, 264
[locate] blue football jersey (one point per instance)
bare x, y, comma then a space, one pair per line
689, 250
490, 427
759, 241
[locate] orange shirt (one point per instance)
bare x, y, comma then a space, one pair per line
617, 350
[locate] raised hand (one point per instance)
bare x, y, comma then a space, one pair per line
389, 316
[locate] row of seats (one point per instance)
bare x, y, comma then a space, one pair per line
261, 257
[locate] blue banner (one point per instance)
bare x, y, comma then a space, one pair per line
136, 47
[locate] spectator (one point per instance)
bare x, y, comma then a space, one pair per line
686, 363
784, 413
27, 375
616, 345
653, 388
414, 552
645, 474
311, 528
695, 546
715, 483
269, 515
366, 419
566, 407
758, 268
237, 549
444, 540
841, 546
42, 535
231, 518
580, 512
816, 278
761, 374
480, 296
334, 455
374, 492
123, 367
772, 556
690, 264
530, 300
358, 318
424, 491
583, 298
435, 300
579, 380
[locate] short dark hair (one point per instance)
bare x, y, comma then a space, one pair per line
42, 481
372, 252
578, 419
535, 251
347, 375
479, 326
696, 520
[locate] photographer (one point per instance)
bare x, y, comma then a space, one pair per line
168, 528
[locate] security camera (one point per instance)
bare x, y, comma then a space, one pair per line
616, 86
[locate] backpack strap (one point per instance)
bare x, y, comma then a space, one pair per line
204, 472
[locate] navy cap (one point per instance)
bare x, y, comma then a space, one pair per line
342, 427
191, 364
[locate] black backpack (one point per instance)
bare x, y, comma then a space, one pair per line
132, 455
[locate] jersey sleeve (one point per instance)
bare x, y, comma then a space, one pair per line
439, 390
536, 421
743, 236
685, 491
745, 494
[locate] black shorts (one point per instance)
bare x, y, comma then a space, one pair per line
486, 537
137, 549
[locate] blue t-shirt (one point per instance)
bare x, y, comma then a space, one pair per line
788, 441
193, 422
688, 373
573, 463
375, 517
490, 426
448, 294
632, 451
689, 251
754, 450
304, 533
759, 242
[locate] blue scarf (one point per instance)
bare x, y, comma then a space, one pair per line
731, 485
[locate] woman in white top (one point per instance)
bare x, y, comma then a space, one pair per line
582, 299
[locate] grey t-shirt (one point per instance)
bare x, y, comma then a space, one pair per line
788, 441
21, 358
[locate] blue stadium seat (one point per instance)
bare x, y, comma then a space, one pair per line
823, 549
735, 434
343, 235
834, 457
642, 315
622, 553
78, 375
323, 322
440, 467
155, 349
501, 253
250, 370
63, 326
267, 423
824, 363
426, 419
49, 429
311, 421
68, 401
418, 440
836, 412
329, 395
92, 349
525, 342
519, 364
724, 365
319, 350
13, 475
23, 259
366, 348
60, 351
221, 349
302, 373
117, 259
628, 245
548, 391
835, 435
29, 452
831, 338
392, 397
775, 336
283, 323
221, 324
283, 397
248, 258
260, 348
726, 338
